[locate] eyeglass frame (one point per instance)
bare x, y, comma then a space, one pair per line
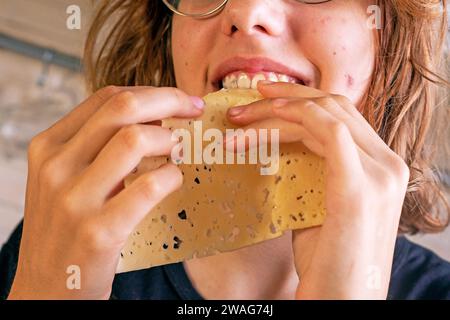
215, 11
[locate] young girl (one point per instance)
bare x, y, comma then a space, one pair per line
365, 92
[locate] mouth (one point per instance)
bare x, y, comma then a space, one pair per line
246, 80
242, 73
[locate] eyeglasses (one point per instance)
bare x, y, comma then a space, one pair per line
201, 9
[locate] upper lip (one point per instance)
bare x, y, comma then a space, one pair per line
254, 65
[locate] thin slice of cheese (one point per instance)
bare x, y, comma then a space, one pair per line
223, 207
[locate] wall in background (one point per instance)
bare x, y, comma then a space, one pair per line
43, 22
27, 108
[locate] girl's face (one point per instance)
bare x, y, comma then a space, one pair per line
328, 46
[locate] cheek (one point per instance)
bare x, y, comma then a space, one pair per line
342, 49
186, 52
180, 50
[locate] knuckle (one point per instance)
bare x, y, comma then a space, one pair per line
338, 130
308, 105
394, 179
132, 137
37, 145
150, 188
50, 172
68, 204
325, 101
177, 175
178, 95
94, 237
341, 99
389, 184
124, 103
274, 104
107, 92
400, 169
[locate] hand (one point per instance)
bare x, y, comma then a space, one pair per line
77, 212
350, 255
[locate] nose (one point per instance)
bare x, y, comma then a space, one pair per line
252, 17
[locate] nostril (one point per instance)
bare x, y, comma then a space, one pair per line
260, 28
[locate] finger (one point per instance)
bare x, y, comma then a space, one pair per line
340, 107
359, 119
256, 111
65, 128
282, 89
338, 145
286, 89
122, 154
127, 209
288, 132
127, 108
365, 138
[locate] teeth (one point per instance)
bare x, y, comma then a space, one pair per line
232, 82
257, 78
283, 78
273, 77
246, 81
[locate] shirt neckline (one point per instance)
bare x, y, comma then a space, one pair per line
180, 281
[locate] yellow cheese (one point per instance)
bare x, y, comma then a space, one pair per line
223, 207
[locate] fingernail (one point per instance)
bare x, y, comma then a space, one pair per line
265, 82
279, 102
235, 111
198, 102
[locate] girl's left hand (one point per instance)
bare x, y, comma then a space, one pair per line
350, 255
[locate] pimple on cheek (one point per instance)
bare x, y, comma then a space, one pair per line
350, 81
325, 20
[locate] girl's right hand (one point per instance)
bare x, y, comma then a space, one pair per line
78, 216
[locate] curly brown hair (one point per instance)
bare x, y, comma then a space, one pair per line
129, 44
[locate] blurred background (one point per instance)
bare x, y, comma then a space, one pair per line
41, 80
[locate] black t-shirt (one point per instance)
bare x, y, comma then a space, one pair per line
417, 273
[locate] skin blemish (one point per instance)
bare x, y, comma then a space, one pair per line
325, 20
349, 80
